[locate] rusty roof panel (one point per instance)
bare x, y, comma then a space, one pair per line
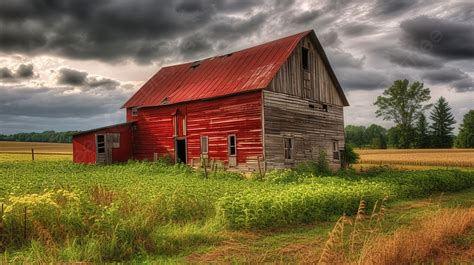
237, 72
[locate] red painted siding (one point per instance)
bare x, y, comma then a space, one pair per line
84, 145
240, 115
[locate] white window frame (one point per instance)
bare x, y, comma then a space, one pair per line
134, 111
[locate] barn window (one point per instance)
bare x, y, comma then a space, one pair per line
135, 111
335, 150
115, 140
325, 108
204, 144
101, 144
288, 143
232, 142
305, 58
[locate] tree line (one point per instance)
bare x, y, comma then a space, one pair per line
405, 105
46, 136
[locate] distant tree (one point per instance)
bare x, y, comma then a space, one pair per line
403, 103
465, 138
422, 133
441, 128
393, 137
376, 136
355, 135
46, 136
349, 155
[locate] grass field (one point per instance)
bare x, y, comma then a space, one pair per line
152, 212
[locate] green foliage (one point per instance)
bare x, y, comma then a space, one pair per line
422, 135
46, 136
349, 155
374, 136
403, 103
120, 212
441, 128
465, 138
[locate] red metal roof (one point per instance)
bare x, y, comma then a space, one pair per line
238, 72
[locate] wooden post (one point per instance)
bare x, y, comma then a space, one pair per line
259, 168
204, 164
32, 154
155, 157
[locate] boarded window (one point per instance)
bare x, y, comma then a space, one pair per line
288, 142
204, 144
135, 111
335, 150
101, 144
115, 140
232, 142
305, 58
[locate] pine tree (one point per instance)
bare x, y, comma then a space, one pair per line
442, 129
422, 136
465, 137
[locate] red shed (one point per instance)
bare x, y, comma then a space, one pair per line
275, 104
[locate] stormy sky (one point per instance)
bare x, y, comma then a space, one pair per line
71, 64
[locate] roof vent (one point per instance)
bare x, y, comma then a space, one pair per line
164, 101
195, 64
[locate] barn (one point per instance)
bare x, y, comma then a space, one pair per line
273, 105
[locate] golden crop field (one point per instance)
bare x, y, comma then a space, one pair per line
21, 151
418, 157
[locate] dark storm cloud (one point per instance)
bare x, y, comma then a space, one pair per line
392, 7
6, 73
83, 81
362, 79
329, 39
115, 30
234, 28
464, 85
412, 59
53, 102
439, 37
194, 45
72, 77
445, 75
25, 71
342, 59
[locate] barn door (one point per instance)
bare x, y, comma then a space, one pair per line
103, 149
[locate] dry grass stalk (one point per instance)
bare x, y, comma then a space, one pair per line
355, 234
43, 235
425, 243
332, 247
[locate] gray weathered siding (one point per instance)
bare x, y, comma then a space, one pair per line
310, 128
289, 79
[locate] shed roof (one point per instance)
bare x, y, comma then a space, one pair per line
242, 71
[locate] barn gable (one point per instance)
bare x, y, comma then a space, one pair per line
315, 80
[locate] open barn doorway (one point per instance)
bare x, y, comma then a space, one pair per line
180, 147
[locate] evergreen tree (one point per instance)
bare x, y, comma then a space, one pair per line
465, 137
442, 129
422, 135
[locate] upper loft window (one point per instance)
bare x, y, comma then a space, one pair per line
135, 111
305, 58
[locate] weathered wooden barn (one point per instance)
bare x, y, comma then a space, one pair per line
276, 104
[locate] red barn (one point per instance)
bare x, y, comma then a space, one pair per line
276, 104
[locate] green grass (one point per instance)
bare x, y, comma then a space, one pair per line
154, 212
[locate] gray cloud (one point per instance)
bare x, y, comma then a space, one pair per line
413, 59
464, 85
358, 29
362, 79
392, 7
25, 71
439, 37
306, 17
445, 75
5, 73
72, 77
329, 39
